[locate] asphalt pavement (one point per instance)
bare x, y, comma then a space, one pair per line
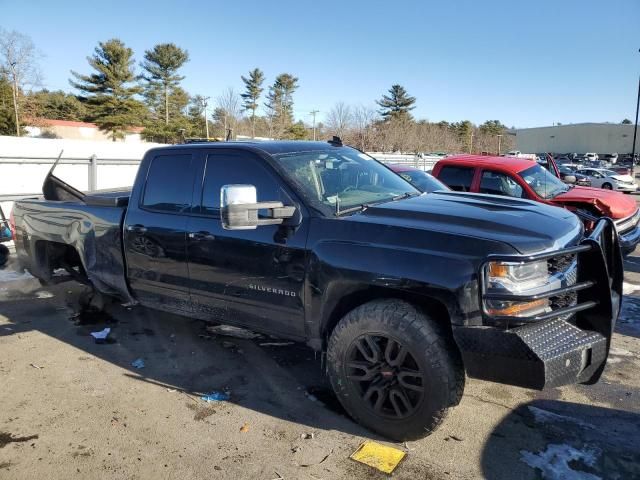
72, 408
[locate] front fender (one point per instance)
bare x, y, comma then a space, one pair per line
339, 269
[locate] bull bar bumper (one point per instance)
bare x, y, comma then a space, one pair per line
565, 346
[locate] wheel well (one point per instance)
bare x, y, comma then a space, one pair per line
437, 310
53, 255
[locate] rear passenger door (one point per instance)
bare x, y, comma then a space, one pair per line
457, 178
155, 235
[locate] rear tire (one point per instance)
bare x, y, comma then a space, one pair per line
394, 370
607, 186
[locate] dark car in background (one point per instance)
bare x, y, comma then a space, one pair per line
423, 181
569, 174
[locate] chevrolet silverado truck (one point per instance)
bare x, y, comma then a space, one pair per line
404, 292
524, 178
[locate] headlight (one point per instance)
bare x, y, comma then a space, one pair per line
517, 279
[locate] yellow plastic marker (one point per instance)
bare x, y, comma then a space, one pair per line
378, 456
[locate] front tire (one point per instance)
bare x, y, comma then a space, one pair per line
607, 186
394, 370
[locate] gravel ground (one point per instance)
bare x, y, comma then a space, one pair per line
71, 408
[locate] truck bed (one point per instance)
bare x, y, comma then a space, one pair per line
84, 237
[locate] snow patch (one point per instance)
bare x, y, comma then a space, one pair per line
545, 416
628, 288
554, 461
13, 276
621, 352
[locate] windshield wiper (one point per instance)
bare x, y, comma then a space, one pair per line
405, 195
364, 206
357, 208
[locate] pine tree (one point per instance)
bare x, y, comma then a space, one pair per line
109, 92
397, 104
161, 67
280, 103
253, 85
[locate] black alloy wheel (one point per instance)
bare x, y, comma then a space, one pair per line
386, 374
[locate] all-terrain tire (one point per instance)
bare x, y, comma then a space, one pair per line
391, 325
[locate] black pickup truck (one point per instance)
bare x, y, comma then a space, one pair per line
319, 243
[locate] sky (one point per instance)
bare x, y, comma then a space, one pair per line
525, 63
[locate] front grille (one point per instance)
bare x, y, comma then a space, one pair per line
560, 264
629, 223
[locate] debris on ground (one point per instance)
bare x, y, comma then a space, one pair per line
145, 331
245, 427
36, 366
138, 363
307, 436
229, 331
453, 437
102, 335
317, 463
295, 449
44, 294
310, 396
378, 456
215, 397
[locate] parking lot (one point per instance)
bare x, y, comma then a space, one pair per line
71, 408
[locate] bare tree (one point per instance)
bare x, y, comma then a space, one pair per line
229, 104
339, 119
18, 61
363, 126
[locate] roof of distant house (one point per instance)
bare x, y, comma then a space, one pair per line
48, 122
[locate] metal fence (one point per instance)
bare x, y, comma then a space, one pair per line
423, 162
93, 162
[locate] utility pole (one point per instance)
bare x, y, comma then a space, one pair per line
635, 132
204, 109
15, 97
499, 139
313, 112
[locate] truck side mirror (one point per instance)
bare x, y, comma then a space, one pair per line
570, 179
239, 209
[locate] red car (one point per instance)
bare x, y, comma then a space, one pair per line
524, 178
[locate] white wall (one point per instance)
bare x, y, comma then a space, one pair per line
24, 162
579, 138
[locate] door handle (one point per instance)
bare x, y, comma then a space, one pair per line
202, 235
136, 228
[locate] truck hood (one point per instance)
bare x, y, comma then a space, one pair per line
609, 203
528, 227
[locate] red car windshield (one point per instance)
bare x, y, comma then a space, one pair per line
543, 182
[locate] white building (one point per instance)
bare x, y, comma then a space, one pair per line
579, 138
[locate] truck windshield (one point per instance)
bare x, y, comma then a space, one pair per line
340, 179
543, 182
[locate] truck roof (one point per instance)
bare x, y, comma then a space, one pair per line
272, 147
505, 164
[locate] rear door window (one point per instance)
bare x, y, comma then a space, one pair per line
457, 178
169, 184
